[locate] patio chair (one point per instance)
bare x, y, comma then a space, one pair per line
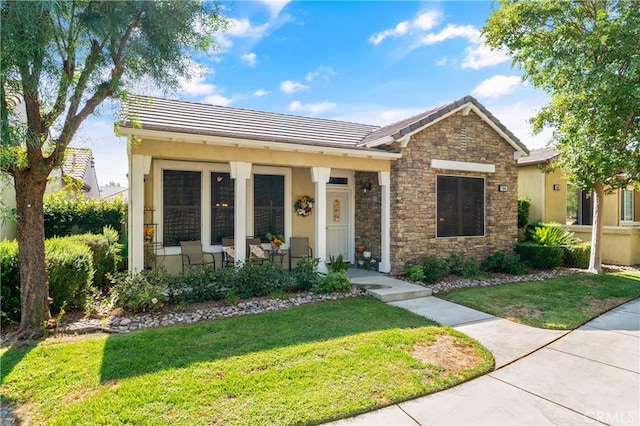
255, 252
228, 252
299, 249
193, 255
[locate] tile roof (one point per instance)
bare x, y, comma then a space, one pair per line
538, 156
200, 119
76, 162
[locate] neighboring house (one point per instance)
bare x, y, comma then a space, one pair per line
554, 200
113, 192
76, 172
439, 182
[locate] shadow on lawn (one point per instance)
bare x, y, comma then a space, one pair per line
13, 356
177, 347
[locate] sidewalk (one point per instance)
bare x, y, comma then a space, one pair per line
587, 376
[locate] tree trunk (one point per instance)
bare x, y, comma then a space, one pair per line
34, 285
595, 259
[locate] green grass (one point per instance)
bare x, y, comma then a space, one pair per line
305, 365
561, 303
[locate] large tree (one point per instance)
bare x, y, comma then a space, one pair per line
586, 56
62, 60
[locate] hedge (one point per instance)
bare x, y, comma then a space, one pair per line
70, 272
540, 257
577, 255
106, 253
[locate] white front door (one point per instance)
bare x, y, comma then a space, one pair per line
338, 223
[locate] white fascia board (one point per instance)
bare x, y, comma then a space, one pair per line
463, 166
248, 143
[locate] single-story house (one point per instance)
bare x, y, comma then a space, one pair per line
439, 182
76, 174
554, 200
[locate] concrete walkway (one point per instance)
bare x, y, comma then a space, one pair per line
587, 376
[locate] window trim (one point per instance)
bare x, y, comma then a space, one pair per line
484, 210
206, 169
634, 214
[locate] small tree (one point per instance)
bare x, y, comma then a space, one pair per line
62, 59
586, 55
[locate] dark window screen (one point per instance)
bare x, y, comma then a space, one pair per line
460, 206
222, 207
181, 206
268, 202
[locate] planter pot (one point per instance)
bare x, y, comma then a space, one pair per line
366, 254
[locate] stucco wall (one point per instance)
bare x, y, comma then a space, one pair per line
620, 245
413, 191
531, 181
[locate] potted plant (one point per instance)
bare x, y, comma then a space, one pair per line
276, 240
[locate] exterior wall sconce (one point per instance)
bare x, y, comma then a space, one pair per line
502, 188
556, 187
365, 187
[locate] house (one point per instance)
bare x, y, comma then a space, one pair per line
110, 193
76, 173
554, 200
439, 182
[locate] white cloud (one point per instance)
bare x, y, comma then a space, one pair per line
322, 72
196, 86
423, 22
469, 32
241, 28
496, 86
289, 86
275, 6
217, 99
482, 56
260, 92
392, 115
316, 108
249, 59
515, 116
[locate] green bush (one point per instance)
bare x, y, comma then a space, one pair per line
196, 285
504, 262
337, 264
540, 257
577, 255
523, 211
106, 253
10, 280
252, 280
333, 282
414, 272
70, 271
304, 274
549, 234
64, 216
460, 264
434, 269
139, 291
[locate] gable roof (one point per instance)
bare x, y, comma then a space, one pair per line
76, 162
538, 156
402, 130
143, 113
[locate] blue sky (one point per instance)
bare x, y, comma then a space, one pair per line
372, 62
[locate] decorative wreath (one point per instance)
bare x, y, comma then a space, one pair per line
304, 205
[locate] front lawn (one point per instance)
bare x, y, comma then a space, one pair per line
310, 364
562, 303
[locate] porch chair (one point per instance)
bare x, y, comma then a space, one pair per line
255, 252
299, 249
228, 252
193, 255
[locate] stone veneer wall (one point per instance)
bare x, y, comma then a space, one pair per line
413, 192
367, 214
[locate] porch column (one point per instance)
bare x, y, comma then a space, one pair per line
138, 167
240, 172
384, 179
320, 176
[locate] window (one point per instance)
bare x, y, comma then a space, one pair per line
627, 205
222, 207
460, 206
268, 204
181, 206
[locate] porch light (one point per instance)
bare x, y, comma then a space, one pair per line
366, 187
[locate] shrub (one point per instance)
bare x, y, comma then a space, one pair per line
504, 262
64, 216
10, 279
434, 269
252, 279
196, 285
577, 255
540, 257
139, 291
551, 233
523, 211
106, 253
337, 264
70, 271
333, 282
414, 272
460, 264
304, 274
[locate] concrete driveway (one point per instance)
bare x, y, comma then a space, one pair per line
587, 376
